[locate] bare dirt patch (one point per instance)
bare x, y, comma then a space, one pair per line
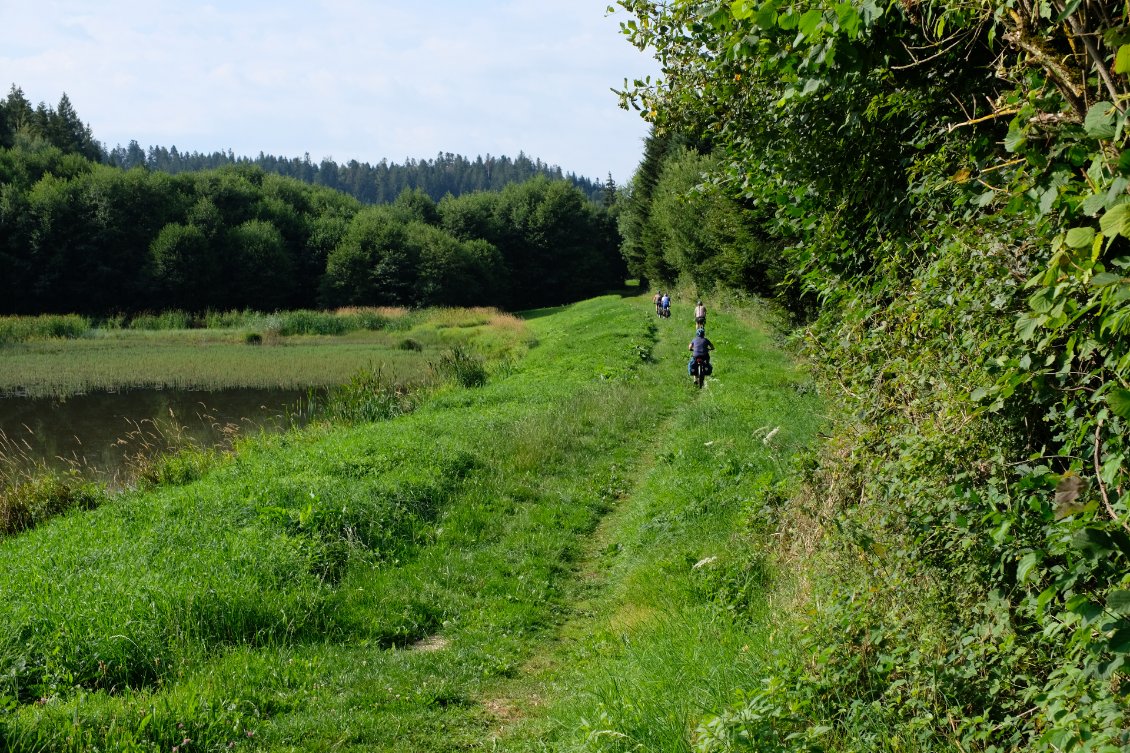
431, 643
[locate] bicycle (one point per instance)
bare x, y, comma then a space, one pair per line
700, 369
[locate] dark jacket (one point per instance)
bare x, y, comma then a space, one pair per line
700, 346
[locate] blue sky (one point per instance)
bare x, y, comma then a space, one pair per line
343, 79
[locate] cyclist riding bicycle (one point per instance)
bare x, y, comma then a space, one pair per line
700, 315
700, 347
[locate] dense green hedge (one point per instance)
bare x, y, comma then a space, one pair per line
945, 189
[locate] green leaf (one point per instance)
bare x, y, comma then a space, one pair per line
1122, 59
869, 11
1093, 204
1117, 191
1069, 7
1120, 642
1103, 279
1080, 237
1026, 326
1047, 200
848, 18
1116, 221
811, 20
1099, 122
766, 17
1119, 401
1043, 300
1017, 137
1027, 564
1119, 602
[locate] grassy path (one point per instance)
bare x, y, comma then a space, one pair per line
671, 613
392, 587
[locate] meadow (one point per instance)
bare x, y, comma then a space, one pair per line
555, 559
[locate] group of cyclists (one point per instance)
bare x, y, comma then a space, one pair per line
700, 346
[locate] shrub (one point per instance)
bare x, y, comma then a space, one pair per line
409, 343
461, 366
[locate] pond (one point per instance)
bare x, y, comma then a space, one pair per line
97, 433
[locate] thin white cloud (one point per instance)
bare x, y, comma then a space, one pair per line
341, 78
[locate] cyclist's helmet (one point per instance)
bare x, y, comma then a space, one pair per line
700, 332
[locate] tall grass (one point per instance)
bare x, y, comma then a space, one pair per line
368, 396
14, 329
307, 322
461, 366
31, 493
17, 329
164, 320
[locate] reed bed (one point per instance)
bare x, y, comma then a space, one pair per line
298, 349
17, 329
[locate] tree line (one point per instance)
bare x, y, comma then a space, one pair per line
381, 183
80, 236
938, 192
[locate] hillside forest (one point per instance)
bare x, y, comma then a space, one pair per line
79, 235
937, 192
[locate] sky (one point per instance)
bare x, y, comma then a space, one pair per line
338, 79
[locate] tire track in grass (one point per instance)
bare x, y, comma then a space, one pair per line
427, 700
517, 701
662, 622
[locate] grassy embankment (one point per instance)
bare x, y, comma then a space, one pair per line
391, 586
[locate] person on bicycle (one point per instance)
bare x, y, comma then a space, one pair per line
656, 299
700, 315
665, 304
700, 347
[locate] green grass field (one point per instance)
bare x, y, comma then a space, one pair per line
565, 558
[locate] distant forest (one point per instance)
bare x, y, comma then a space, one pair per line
371, 184
79, 234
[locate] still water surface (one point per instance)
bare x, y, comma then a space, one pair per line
97, 432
